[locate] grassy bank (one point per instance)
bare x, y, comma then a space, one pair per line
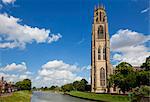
99, 97
20, 96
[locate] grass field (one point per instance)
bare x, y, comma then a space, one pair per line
99, 97
20, 96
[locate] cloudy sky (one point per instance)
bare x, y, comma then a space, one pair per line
48, 41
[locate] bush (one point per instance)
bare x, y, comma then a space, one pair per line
139, 93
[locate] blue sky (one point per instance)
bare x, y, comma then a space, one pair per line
65, 37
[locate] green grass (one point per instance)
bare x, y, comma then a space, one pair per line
20, 96
100, 97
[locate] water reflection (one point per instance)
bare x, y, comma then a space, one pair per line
54, 97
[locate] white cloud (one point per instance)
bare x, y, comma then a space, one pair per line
15, 67
8, 1
131, 45
54, 38
12, 45
117, 57
14, 34
9, 77
145, 10
28, 73
126, 38
15, 72
14, 77
21, 77
56, 72
59, 65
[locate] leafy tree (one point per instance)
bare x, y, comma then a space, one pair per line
124, 77
88, 88
45, 88
24, 85
52, 87
34, 88
124, 68
80, 85
139, 93
146, 65
77, 85
143, 78
83, 81
19, 85
67, 87
42, 88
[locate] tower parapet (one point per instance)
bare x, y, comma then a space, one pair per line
99, 6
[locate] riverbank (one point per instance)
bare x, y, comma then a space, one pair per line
99, 97
19, 96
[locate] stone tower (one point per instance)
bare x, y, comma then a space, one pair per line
100, 64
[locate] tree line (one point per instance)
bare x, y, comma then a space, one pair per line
81, 85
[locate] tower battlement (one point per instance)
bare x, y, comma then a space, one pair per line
99, 6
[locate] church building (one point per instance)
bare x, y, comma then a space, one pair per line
101, 67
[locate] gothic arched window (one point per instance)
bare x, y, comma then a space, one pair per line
100, 32
99, 53
100, 15
102, 76
104, 53
104, 18
97, 19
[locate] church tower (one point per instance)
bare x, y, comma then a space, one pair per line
100, 59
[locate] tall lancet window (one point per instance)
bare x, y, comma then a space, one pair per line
102, 76
99, 53
100, 15
104, 18
100, 32
104, 53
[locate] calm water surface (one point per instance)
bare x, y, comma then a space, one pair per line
54, 97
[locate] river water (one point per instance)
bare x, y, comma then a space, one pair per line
54, 97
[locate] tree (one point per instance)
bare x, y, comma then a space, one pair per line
146, 65
139, 93
67, 87
24, 85
45, 88
52, 87
124, 68
143, 78
34, 88
80, 85
84, 82
88, 88
76, 85
123, 78
19, 85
